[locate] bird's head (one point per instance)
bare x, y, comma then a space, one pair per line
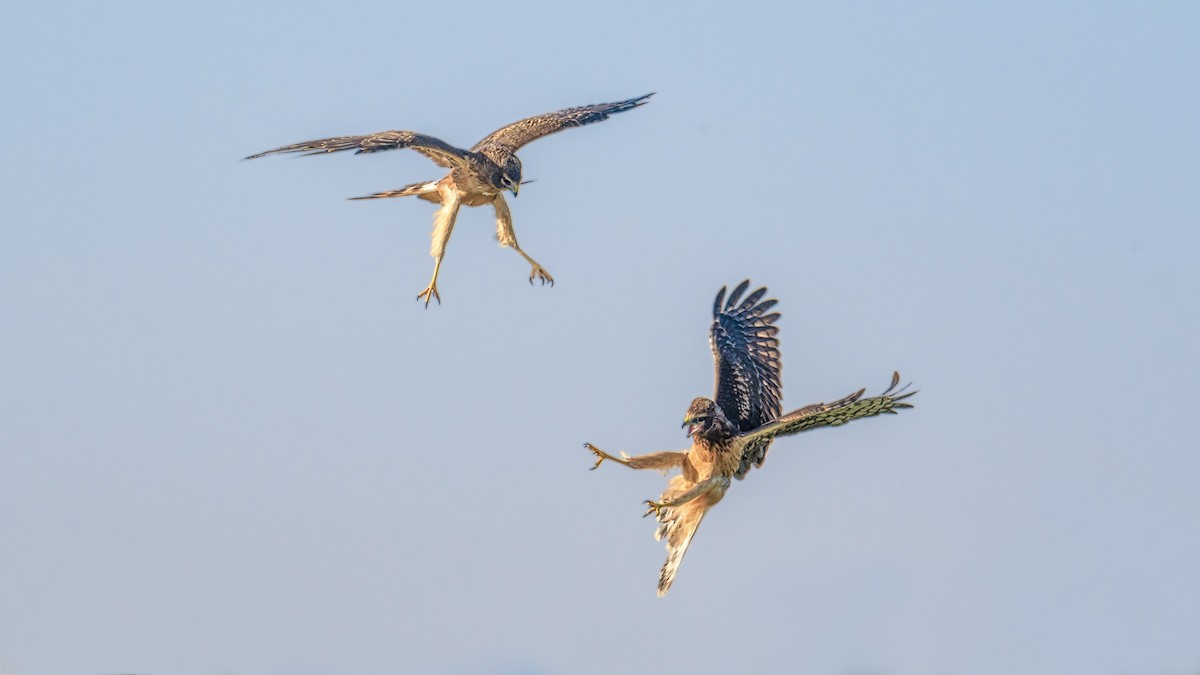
510, 175
704, 417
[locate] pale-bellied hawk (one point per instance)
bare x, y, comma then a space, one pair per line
477, 176
733, 432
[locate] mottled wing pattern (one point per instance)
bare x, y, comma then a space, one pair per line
530, 129
834, 414
748, 365
439, 151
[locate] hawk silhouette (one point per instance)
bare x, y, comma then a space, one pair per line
733, 431
477, 176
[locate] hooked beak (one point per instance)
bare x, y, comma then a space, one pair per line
518, 186
687, 423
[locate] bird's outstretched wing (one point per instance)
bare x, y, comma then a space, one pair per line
832, 414
746, 352
530, 129
439, 151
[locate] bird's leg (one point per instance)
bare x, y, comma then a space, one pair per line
662, 461
537, 271
698, 490
602, 455
443, 225
508, 237
431, 291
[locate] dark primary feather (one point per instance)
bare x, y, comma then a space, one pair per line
748, 365
439, 151
530, 129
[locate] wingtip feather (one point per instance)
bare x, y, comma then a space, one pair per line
736, 295
720, 299
639, 101
751, 299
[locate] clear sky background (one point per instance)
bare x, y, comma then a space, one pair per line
231, 441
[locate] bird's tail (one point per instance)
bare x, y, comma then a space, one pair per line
427, 190
678, 526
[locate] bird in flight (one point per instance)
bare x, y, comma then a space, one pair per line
477, 176
733, 432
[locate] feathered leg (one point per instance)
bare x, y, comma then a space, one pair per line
663, 461
508, 237
443, 225
715, 486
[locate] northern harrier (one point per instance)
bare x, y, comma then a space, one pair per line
733, 433
477, 176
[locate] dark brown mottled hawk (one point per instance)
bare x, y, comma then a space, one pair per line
477, 176
733, 431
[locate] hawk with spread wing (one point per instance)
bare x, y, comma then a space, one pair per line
733, 433
477, 176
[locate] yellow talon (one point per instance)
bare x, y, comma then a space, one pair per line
430, 293
601, 455
540, 273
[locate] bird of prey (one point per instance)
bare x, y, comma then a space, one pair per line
733, 432
477, 176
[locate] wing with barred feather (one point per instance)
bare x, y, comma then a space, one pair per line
832, 414
530, 129
746, 351
442, 153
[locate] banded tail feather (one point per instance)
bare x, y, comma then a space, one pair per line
679, 525
413, 189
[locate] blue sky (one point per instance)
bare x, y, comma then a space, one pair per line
232, 442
